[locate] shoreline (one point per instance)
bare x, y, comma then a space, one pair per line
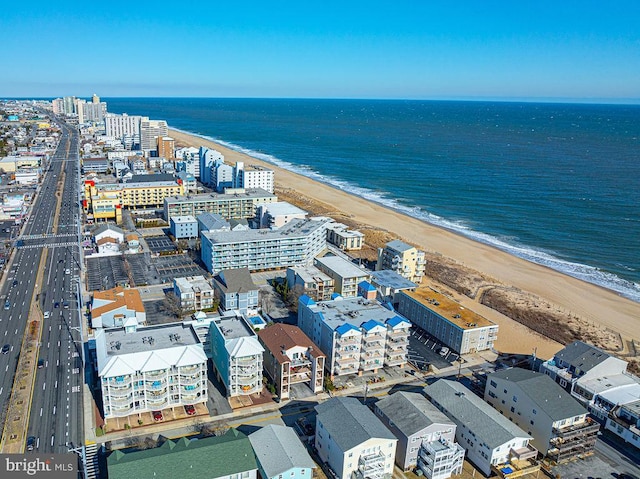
592, 302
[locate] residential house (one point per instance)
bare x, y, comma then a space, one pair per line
236, 289
280, 453
426, 437
116, 307
493, 443
108, 230
558, 423
353, 441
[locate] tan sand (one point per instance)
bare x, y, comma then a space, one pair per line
604, 308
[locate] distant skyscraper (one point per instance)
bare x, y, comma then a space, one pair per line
149, 131
121, 126
95, 98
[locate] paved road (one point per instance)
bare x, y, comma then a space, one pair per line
56, 418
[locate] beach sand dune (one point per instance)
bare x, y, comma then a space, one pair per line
601, 311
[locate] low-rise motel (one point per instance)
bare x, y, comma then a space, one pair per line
458, 328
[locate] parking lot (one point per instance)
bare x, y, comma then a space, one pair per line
141, 269
423, 351
175, 266
160, 244
105, 272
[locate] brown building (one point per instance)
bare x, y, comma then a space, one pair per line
166, 147
291, 358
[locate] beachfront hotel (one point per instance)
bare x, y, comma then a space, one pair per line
459, 328
143, 369
356, 334
402, 258
291, 358
296, 243
236, 354
234, 204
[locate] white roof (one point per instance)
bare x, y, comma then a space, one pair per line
242, 347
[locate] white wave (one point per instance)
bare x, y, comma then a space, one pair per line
583, 272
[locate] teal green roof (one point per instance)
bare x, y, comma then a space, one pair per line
210, 457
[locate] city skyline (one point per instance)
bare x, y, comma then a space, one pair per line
574, 51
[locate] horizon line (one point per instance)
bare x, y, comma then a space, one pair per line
553, 100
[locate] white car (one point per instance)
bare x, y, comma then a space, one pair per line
67, 271
47, 314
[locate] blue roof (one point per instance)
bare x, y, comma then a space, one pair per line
306, 300
366, 286
335, 296
372, 323
345, 328
393, 322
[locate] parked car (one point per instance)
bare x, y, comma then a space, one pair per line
157, 415
189, 409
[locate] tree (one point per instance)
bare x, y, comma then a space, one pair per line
172, 304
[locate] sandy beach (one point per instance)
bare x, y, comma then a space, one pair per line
595, 309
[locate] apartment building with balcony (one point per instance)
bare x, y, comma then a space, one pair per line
291, 358
346, 275
462, 330
624, 421
426, 437
402, 258
357, 335
235, 204
144, 369
353, 441
237, 355
311, 281
340, 235
195, 293
492, 442
296, 243
117, 307
558, 423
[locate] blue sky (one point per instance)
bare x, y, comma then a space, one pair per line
520, 49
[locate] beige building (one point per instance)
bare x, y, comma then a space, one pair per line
459, 328
402, 258
346, 275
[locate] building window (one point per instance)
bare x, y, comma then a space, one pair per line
493, 384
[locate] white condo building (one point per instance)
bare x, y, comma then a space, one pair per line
356, 334
237, 355
119, 126
150, 369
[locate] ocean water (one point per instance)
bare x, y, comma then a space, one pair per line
556, 184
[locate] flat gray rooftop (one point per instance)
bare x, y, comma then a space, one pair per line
150, 338
233, 327
296, 228
391, 279
342, 267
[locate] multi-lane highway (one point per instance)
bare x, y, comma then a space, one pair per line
49, 244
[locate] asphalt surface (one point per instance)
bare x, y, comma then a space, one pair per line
56, 418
